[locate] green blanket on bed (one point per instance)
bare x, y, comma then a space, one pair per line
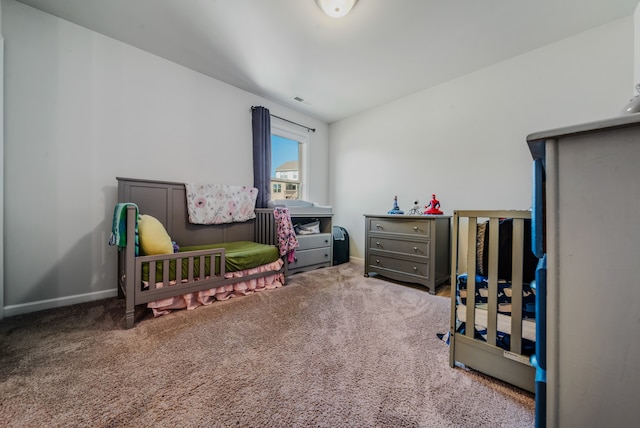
239, 255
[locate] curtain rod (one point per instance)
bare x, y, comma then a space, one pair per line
290, 121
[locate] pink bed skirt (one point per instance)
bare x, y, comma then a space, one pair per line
206, 297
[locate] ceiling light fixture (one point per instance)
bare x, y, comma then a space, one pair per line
336, 8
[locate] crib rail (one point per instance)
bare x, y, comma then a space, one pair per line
158, 287
265, 227
488, 357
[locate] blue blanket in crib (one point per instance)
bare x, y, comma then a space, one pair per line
504, 295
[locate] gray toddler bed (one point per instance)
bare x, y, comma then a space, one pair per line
219, 249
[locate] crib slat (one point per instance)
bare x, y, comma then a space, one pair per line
223, 269
165, 273
201, 270
516, 285
454, 283
471, 277
179, 270
492, 303
190, 271
152, 275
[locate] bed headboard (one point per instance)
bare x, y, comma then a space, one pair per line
167, 201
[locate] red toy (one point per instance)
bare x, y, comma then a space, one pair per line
432, 207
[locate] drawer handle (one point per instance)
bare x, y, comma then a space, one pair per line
326, 255
326, 241
415, 228
415, 249
378, 244
415, 268
378, 226
377, 262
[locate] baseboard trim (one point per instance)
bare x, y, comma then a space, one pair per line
25, 308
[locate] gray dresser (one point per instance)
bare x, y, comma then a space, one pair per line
587, 215
315, 250
408, 248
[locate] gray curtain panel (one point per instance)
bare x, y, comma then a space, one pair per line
261, 126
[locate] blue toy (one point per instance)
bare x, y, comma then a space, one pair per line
396, 209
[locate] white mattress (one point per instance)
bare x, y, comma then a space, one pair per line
504, 322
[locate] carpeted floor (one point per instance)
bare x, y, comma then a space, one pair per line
331, 349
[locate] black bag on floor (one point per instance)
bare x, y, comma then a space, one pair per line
340, 245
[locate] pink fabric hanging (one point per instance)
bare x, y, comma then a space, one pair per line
287, 240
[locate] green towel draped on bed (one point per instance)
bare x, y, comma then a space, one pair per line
119, 227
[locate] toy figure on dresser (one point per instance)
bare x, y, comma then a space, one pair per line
433, 206
415, 210
396, 209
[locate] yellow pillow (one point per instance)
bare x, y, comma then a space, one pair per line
154, 238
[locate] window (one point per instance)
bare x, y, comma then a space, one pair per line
286, 164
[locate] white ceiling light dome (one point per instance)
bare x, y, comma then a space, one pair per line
336, 8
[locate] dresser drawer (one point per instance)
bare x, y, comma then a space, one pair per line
380, 263
400, 225
319, 240
311, 257
400, 246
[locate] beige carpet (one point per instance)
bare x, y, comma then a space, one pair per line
331, 349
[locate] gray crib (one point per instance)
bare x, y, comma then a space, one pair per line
503, 330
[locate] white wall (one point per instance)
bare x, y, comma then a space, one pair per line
465, 140
82, 109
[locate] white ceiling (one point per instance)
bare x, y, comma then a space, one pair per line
381, 51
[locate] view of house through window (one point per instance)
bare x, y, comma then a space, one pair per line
285, 168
